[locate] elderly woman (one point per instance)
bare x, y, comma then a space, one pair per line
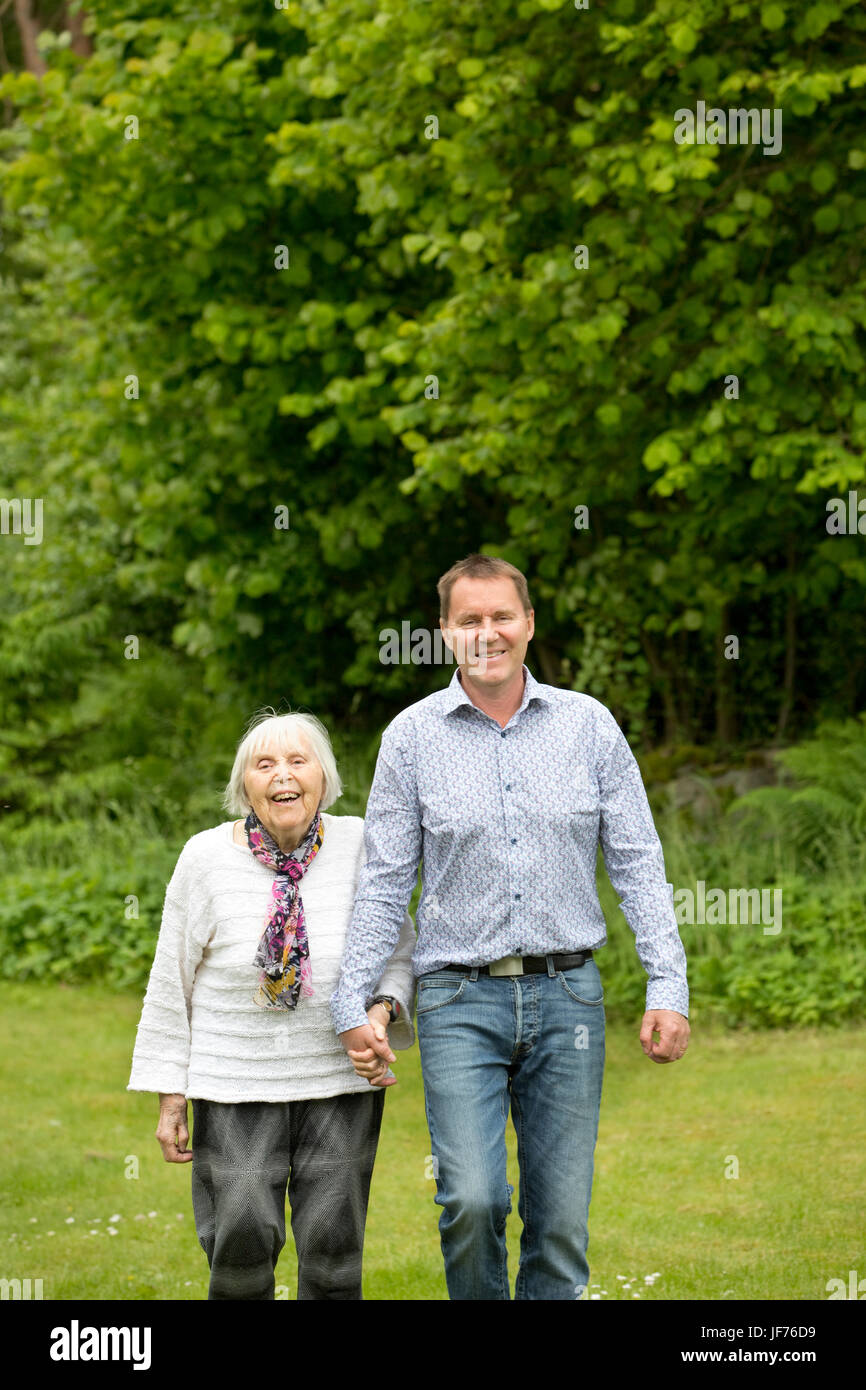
236, 1018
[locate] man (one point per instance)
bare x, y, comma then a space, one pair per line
505, 787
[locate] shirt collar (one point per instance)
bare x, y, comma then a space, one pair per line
453, 696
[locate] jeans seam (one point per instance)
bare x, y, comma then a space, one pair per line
419, 1012
524, 1191
517, 1021
590, 1003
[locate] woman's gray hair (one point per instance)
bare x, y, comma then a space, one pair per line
283, 731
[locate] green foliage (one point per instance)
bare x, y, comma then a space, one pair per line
72, 924
168, 382
68, 920
820, 810
806, 838
814, 972
408, 258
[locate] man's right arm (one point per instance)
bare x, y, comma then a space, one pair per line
392, 839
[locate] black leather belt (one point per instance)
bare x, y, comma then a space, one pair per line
532, 965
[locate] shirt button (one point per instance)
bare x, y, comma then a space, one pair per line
508, 786
513, 840
517, 895
502, 735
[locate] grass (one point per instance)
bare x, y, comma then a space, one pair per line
779, 1107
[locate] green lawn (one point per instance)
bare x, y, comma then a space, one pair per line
783, 1105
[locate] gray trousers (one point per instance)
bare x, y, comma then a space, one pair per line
245, 1154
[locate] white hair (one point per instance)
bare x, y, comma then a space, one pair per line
268, 729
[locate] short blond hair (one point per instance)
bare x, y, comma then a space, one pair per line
481, 567
284, 730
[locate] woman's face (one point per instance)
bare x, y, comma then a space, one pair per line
285, 789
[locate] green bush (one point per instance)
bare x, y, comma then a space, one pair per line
68, 920
72, 923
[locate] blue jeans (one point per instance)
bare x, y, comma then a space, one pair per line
535, 1042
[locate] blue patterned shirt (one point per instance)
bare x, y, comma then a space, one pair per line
508, 822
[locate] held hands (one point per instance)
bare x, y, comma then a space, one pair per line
673, 1030
172, 1130
368, 1050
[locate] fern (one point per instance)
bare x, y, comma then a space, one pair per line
819, 808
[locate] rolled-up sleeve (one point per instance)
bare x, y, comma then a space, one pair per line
392, 841
635, 864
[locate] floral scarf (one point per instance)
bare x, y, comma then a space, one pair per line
283, 951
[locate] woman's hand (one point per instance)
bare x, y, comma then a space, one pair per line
172, 1130
368, 1063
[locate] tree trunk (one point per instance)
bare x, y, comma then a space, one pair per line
663, 684
5, 66
686, 701
724, 704
790, 648
548, 662
28, 30
81, 43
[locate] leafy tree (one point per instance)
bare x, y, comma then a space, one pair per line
236, 263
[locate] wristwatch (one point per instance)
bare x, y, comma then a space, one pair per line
388, 1003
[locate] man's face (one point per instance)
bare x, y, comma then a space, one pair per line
488, 630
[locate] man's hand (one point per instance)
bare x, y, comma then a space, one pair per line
368, 1049
673, 1030
172, 1130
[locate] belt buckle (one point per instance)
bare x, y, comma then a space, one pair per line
508, 965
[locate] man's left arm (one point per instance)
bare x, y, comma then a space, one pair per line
392, 852
635, 864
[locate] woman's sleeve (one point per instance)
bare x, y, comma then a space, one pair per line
398, 980
160, 1059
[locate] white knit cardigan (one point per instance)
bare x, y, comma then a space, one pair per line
200, 1032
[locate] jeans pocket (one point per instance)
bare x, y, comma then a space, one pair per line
435, 991
583, 984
